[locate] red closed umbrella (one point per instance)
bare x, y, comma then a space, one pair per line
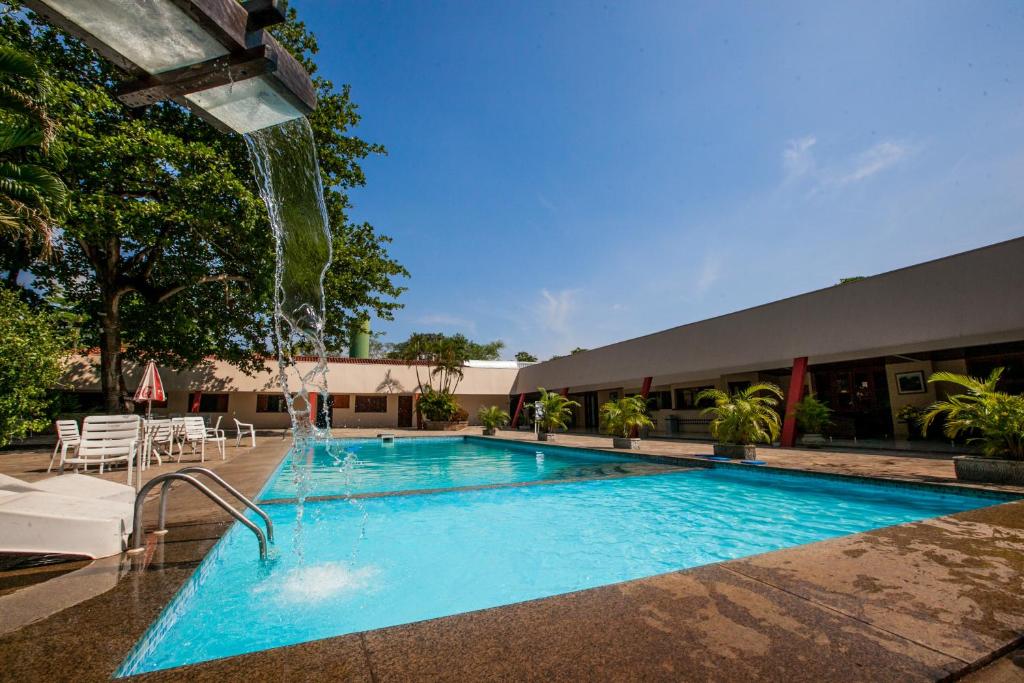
151, 388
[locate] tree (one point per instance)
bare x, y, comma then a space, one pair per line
555, 410
746, 417
994, 418
621, 417
166, 248
34, 348
525, 357
444, 357
31, 196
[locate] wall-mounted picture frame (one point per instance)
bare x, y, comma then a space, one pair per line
911, 382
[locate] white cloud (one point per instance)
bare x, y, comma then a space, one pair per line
798, 157
874, 160
710, 273
799, 163
556, 308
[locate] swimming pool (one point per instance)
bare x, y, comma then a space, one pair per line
383, 561
433, 463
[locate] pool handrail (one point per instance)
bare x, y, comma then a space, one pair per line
206, 471
140, 499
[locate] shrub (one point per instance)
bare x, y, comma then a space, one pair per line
996, 418
812, 415
555, 410
746, 417
493, 417
620, 417
438, 406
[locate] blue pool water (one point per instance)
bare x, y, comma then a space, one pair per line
432, 463
429, 555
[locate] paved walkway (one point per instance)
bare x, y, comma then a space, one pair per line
923, 601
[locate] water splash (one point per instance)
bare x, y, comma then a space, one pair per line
288, 174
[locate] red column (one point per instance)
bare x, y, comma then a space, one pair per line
793, 396
313, 396
194, 408
565, 392
645, 389
519, 409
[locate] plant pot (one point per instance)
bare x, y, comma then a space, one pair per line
625, 442
736, 451
812, 440
489, 431
445, 425
990, 470
544, 436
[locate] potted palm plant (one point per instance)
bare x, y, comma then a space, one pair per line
492, 418
992, 419
812, 417
441, 412
552, 412
619, 418
743, 419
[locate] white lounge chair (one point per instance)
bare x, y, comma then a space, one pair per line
68, 436
241, 428
159, 433
48, 523
75, 485
194, 434
107, 440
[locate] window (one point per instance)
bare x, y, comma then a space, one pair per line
271, 403
659, 400
686, 399
738, 386
83, 401
371, 404
209, 403
341, 401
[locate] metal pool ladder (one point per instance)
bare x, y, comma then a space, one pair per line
185, 474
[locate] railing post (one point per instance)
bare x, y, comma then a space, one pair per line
793, 396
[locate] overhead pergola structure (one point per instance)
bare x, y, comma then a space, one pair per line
212, 56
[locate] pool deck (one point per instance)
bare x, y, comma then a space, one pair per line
931, 600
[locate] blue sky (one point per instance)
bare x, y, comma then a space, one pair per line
570, 174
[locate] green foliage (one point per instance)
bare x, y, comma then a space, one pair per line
621, 417
995, 419
525, 357
493, 417
444, 357
34, 348
745, 417
812, 415
855, 278
166, 247
555, 410
439, 406
31, 196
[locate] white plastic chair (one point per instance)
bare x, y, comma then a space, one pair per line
160, 433
240, 430
194, 434
107, 440
217, 436
68, 436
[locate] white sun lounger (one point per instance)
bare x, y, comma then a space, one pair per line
76, 485
49, 523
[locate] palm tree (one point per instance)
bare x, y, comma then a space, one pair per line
555, 411
31, 196
492, 417
995, 416
621, 417
745, 417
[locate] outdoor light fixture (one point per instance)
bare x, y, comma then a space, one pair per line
211, 56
